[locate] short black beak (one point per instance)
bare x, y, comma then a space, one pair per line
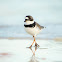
25, 20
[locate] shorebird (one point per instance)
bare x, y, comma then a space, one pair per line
32, 27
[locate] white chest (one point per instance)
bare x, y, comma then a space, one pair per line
33, 31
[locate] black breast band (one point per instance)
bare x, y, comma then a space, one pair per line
30, 25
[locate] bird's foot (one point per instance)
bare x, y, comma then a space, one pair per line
36, 45
30, 46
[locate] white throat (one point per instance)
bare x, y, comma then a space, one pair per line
29, 22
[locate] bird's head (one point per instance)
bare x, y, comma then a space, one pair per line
29, 19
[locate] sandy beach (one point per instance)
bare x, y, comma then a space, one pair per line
16, 50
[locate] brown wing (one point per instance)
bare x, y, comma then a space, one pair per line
40, 27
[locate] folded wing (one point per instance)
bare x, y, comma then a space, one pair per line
40, 27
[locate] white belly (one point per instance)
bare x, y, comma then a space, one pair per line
33, 31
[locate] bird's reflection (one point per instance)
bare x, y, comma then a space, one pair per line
33, 58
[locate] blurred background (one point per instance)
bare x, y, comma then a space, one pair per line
47, 13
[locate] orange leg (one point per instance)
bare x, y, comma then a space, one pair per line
34, 39
33, 43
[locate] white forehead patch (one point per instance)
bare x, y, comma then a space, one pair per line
26, 18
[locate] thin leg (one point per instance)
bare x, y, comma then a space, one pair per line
33, 42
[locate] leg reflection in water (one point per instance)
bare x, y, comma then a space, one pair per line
33, 58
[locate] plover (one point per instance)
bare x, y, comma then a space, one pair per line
32, 27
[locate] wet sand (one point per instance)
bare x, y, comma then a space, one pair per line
16, 50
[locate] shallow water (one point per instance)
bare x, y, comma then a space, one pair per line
16, 51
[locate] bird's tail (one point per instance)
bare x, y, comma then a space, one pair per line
43, 27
